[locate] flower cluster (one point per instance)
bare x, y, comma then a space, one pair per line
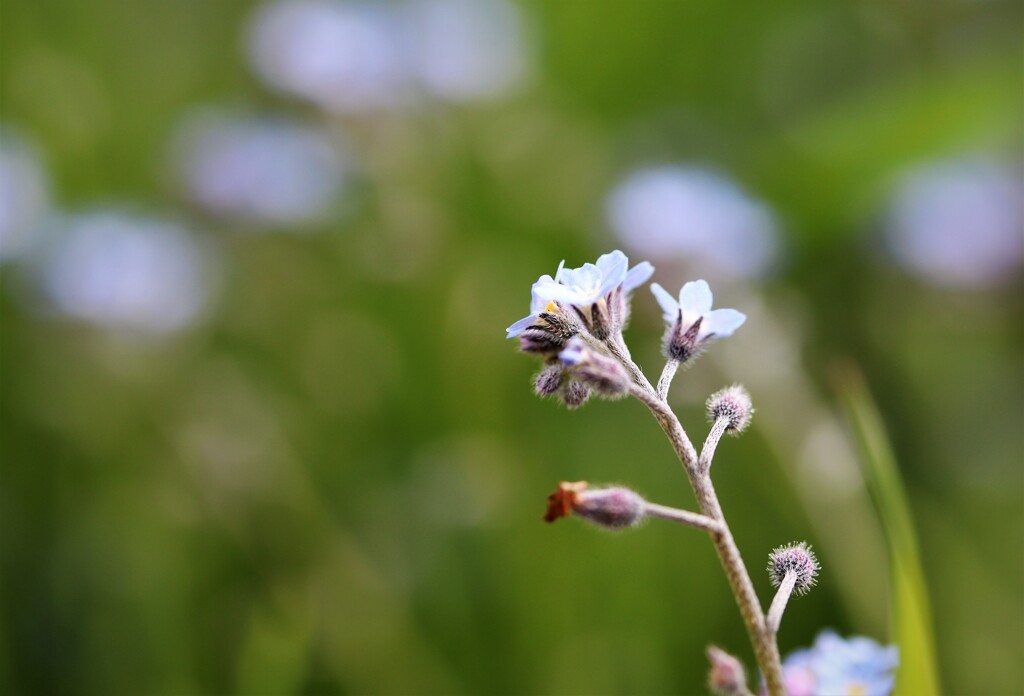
577, 315
575, 325
593, 297
834, 666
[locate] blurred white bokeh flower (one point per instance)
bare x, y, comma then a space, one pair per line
958, 223
126, 272
24, 195
344, 56
258, 170
673, 212
463, 50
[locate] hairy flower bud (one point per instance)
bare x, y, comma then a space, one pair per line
796, 558
727, 676
549, 379
733, 404
605, 375
611, 508
573, 394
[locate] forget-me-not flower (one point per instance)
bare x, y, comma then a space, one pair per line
835, 666
691, 321
592, 297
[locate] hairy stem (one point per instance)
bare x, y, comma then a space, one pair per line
667, 375
683, 516
707, 452
779, 603
765, 648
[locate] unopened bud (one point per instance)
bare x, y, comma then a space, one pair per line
549, 379
796, 558
733, 404
604, 374
727, 676
573, 394
611, 508
538, 339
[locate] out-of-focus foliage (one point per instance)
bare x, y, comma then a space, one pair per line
260, 431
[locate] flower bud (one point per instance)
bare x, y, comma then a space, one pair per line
549, 379
683, 342
573, 394
537, 339
603, 374
611, 508
733, 404
794, 558
727, 676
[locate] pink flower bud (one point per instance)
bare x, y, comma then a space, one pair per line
611, 508
727, 676
733, 404
794, 558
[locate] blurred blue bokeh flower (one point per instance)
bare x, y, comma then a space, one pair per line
676, 212
958, 223
126, 272
24, 195
835, 666
344, 57
259, 170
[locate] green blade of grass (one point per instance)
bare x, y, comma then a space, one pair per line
910, 619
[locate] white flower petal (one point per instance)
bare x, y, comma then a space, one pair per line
586, 277
520, 326
613, 271
695, 298
721, 323
667, 302
637, 276
560, 272
564, 293
537, 301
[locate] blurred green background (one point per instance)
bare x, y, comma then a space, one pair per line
287, 449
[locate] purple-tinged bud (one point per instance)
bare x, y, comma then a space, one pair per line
733, 404
573, 394
604, 374
681, 343
538, 339
549, 334
727, 676
549, 379
796, 558
611, 508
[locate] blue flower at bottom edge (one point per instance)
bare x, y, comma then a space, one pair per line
835, 666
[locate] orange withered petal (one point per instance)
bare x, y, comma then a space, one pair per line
562, 501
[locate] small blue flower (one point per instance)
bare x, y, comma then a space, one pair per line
691, 321
834, 666
694, 304
596, 294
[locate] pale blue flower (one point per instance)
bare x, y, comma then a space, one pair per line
574, 353
604, 285
835, 666
695, 304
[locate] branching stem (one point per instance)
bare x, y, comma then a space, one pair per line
763, 640
684, 517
